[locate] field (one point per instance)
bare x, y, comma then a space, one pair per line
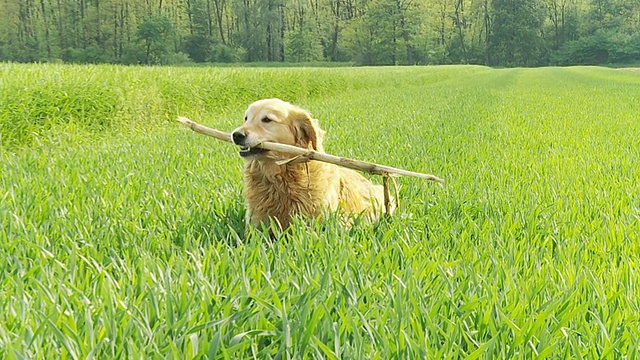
123, 233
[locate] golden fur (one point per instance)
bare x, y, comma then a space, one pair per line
279, 192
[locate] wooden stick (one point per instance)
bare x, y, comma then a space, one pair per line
307, 154
387, 201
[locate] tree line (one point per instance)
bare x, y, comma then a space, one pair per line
364, 32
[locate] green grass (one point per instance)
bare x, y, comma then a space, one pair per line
124, 236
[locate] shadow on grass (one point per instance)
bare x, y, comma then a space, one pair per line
227, 224
212, 225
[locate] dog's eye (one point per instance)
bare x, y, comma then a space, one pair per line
245, 119
266, 120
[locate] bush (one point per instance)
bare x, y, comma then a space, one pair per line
303, 45
626, 49
29, 51
132, 55
154, 33
198, 47
92, 54
178, 58
224, 54
602, 47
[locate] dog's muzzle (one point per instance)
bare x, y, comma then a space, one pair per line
239, 138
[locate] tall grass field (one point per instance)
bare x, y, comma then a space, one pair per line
123, 232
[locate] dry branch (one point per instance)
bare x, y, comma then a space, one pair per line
306, 154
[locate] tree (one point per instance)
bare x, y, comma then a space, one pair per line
384, 34
198, 47
249, 25
516, 33
200, 41
303, 43
155, 32
494, 32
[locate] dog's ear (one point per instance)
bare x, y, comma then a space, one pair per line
306, 130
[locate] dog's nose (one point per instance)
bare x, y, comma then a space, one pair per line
238, 137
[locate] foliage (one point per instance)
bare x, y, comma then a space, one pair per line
303, 44
154, 32
124, 237
89, 55
383, 35
365, 32
600, 48
515, 34
198, 47
178, 58
225, 54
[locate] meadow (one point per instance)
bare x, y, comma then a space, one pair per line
123, 232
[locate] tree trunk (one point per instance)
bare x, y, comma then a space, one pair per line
98, 31
61, 35
459, 9
394, 59
148, 51
487, 34
209, 19
115, 31
83, 29
443, 33
562, 22
219, 9
282, 30
190, 16
270, 54
335, 9
46, 28
23, 26
407, 40
251, 53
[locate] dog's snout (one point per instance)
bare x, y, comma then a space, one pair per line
238, 137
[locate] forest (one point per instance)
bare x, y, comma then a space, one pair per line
501, 33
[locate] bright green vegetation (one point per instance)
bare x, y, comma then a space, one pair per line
365, 32
123, 232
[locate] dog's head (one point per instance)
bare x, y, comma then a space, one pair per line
276, 121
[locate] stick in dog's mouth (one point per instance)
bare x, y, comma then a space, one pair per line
368, 167
246, 151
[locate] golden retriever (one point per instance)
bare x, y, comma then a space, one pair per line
278, 192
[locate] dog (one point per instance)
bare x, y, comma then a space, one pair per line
277, 192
